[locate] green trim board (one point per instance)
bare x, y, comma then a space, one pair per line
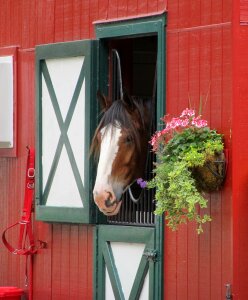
139, 26
88, 50
133, 28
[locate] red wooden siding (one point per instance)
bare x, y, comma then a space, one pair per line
199, 60
29, 23
240, 162
64, 269
244, 12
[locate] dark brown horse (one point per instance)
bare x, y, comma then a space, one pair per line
121, 140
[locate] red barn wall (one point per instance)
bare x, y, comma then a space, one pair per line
199, 64
240, 162
64, 269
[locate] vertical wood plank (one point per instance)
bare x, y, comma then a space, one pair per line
216, 6
142, 6
194, 12
122, 9
183, 73
227, 10
64, 255
85, 279
76, 19
194, 69
205, 71
182, 262
172, 72
227, 260
85, 19
173, 7
8, 24
93, 16
59, 21
183, 14
240, 151
49, 20
162, 5
90, 262
206, 12
74, 262
2, 22
68, 20
193, 262
204, 263
33, 24
25, 24
170, 265
103, 9
112, 9
132, 7
82, 261
56, 262
152, 6
42, 284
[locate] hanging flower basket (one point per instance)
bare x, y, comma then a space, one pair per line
210, 177
190, 161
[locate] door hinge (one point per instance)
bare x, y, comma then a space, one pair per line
228, 291
150, 254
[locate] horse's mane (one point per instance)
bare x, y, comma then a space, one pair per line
119, 115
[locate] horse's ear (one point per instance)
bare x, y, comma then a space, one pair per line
103, 100
128, 101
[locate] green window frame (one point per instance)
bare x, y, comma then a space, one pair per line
133, 28
87, 50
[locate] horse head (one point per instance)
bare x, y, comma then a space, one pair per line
121, 140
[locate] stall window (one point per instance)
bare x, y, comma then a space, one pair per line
7, 102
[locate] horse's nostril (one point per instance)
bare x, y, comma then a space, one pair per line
110, 200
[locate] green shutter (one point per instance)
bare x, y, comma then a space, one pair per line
66, 109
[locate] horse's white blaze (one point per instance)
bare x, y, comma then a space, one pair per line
109, 149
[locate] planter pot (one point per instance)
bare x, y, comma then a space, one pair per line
210, 177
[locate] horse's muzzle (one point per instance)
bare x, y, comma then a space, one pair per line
107, 203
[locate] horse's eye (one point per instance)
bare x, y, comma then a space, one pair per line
129, 139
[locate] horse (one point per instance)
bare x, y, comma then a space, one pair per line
121, 142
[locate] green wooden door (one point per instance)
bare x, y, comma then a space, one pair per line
126, 263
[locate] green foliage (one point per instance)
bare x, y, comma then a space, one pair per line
176, 190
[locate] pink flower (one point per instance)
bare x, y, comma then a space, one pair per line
174, 123
168, 126
165, 130
185, 123
153, 140
195, 120
199, 123
188, 112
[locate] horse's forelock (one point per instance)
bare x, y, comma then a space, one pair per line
118, 115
